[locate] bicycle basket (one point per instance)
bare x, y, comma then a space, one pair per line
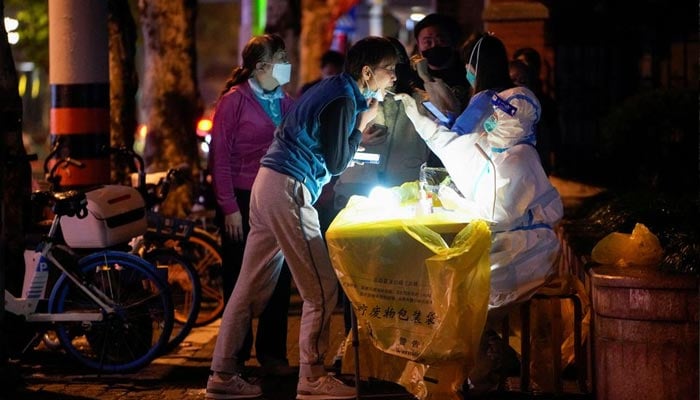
168, 227
115, 215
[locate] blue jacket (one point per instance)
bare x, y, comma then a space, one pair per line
315, 141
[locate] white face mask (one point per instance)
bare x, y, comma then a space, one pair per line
282, 72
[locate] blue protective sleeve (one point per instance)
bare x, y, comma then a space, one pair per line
473, 117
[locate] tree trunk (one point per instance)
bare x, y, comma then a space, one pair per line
315, 40
284, 19
123, 82
318, 20
15, 186
171, 97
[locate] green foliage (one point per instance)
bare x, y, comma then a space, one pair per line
651, 141
33, 17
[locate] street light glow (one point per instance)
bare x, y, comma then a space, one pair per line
12, 37
417, 16
11, 24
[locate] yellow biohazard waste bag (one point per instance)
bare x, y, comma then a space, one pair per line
439, 380
417, 298
640, 248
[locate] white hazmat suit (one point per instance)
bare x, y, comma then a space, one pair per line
501, 180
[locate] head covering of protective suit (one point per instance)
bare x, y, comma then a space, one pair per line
516, 112
501, 180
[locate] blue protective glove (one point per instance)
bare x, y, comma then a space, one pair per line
473, 117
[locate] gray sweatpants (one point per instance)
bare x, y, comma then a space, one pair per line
282, 221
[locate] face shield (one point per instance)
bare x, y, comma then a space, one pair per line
516, 113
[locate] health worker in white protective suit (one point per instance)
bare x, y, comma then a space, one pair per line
490, 155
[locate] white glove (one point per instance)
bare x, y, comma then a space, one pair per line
426, 127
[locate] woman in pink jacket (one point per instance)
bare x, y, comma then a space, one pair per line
249, 110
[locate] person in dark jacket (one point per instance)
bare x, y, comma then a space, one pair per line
316, 139
437, 61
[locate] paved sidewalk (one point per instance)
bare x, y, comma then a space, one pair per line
182, 375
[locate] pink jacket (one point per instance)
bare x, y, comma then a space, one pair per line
241, 134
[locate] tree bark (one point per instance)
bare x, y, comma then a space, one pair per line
318, 20
15, 187
284, 19
123, 82
171, 97
315, 40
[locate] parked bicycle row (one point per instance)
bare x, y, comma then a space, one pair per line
113, 282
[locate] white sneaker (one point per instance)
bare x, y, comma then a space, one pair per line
325, 387
233, 388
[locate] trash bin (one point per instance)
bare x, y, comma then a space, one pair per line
645, 334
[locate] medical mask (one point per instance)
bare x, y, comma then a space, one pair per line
472, 68
368, 93
516, 113
282, 72
438, 55
490, 124
471, 76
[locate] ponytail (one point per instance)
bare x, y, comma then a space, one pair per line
238, 75
258, 48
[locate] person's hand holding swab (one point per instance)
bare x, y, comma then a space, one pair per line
425, 126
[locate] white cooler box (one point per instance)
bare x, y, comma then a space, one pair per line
116, 214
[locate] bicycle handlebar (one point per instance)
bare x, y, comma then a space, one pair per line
52, 154
159, 192
152, 194
136, 161
70, 203
54, 179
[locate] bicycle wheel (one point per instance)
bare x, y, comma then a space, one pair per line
139, 328
203, 250
204, 218
185, 290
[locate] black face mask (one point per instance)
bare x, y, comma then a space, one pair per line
438, 56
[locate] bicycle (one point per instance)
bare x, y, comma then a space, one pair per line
204, 250
111, 310
203, 210
182, 278
198, 245
153, 246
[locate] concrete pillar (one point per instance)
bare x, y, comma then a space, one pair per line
376, 26
245, 31
79, 80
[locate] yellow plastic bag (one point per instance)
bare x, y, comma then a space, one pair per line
421, 302
640, 248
